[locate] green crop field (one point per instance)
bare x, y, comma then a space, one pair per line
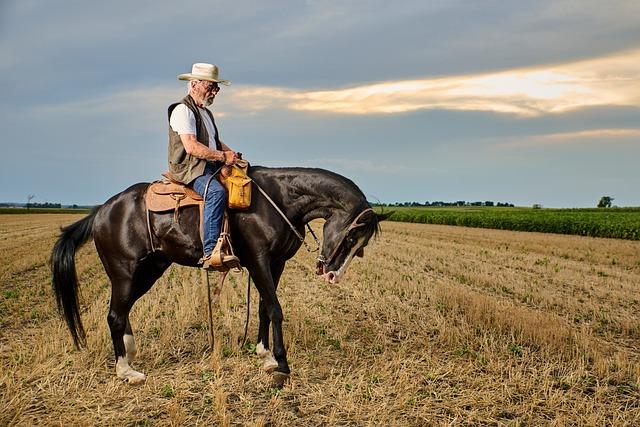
621, 223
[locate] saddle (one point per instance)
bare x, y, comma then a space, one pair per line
167, 195
171, 195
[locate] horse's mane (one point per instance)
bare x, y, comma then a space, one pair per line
337, 184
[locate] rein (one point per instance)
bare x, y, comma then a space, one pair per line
298, 235
218, 288
321, 259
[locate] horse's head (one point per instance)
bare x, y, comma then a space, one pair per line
343, 240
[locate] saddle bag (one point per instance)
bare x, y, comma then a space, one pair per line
238, 186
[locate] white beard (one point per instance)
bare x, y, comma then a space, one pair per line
208, 101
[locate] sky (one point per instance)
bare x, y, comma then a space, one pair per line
525, 102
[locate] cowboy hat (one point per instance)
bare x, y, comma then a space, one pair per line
203, 71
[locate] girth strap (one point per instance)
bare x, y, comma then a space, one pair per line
153, 249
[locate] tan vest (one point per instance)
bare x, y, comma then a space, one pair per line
185, 167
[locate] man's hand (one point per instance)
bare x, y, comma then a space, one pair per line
230, 157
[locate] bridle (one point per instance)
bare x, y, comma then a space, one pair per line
322, 260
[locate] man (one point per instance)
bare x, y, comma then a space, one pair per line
196, 152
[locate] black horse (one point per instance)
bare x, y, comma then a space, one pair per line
262, 240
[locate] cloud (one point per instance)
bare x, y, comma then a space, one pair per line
607, 81
592, 134
608, 136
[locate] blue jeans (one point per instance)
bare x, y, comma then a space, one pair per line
214, 205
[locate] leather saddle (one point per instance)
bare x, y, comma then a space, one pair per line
169, 194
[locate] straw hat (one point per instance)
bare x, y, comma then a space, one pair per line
202, 71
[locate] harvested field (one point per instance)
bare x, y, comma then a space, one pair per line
436, 325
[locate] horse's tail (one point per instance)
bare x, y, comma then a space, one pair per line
64, 277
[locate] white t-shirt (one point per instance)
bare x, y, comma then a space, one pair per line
183, 121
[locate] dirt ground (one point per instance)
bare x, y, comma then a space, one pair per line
435, 325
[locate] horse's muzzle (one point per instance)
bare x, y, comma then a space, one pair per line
331, 277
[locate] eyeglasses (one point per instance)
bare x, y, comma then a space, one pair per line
211, 86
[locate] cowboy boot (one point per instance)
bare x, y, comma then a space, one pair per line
230, 261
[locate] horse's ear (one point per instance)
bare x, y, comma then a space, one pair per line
385, 215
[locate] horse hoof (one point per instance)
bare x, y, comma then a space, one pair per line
125, 372
269, 365
135, 378
279, 379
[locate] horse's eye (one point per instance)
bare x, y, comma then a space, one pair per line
351, 241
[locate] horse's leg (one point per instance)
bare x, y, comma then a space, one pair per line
262, 346
124, 293
120, 306
263, 278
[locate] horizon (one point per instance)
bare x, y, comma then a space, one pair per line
372, 202
534, 103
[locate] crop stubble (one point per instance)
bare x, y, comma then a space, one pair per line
436, 324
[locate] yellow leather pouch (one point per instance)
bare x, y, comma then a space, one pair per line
239, 186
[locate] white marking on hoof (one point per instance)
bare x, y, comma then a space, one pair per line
270, 363
125, 372
130, 347
261, 351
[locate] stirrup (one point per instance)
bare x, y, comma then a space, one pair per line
209, 264
228, 262
222, 257
219, 259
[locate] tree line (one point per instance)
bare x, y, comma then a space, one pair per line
46, 205
458, 203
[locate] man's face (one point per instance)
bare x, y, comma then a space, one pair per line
207, 91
